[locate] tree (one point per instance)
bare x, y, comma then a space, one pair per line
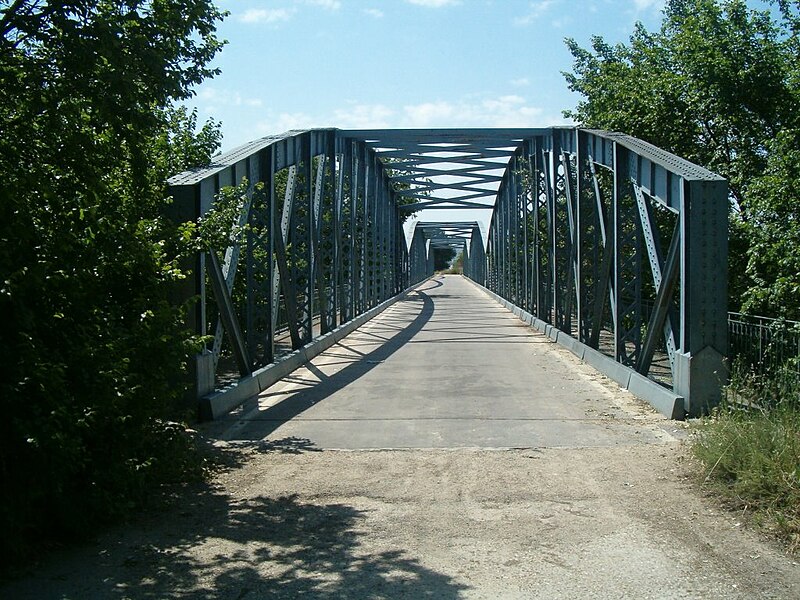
458, 263
93, 346
718, 85
774, 230
442, 258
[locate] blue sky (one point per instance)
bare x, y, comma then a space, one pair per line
293, 64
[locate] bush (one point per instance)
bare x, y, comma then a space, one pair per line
93, 347
751, 452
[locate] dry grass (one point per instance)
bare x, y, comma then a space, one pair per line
751, 454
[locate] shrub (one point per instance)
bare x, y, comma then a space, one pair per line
93, 346
750, 451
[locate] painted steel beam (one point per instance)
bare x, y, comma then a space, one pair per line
571, 234
228, 315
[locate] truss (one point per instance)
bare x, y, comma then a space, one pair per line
603, 237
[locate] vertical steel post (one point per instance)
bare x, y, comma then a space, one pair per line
272, 232
355, 187
700, 368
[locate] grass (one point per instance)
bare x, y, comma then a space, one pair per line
750, 451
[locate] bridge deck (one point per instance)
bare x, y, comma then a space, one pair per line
444, 367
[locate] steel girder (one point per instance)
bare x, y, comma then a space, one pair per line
475, 257
317, 241
445, 168
418, 258
456, 235
613, 241
621, 245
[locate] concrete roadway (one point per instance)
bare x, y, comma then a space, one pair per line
443, 450
445, 367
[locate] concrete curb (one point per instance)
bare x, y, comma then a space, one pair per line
218, 403
662, 399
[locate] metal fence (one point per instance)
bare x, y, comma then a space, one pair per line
763, 347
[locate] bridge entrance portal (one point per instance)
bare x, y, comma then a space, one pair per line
610, 246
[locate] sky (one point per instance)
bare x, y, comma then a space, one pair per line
357, 64
352, 64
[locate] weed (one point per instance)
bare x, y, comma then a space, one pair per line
750, 451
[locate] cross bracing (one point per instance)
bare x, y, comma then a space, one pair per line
614, 244
446, 169
448, 234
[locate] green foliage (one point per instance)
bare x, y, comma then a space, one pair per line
223, 225
93, 345
752, 455
442, 258
774, 232
718, 84
709, 86
458, 264
181, 145
401, 187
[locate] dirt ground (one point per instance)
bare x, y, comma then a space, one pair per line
288, 522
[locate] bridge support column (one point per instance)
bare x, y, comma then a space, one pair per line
699, 379
700, 370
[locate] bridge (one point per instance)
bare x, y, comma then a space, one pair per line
609, 246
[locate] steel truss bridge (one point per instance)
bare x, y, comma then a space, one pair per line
609, 245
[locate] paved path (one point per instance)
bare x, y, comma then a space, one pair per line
442, 451
445, 367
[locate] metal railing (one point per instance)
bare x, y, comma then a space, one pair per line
764, 347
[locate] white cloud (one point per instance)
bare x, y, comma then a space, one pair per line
266, 15
276, 124
643, 5
434, 3
502, 111
213, 97
536, 10
364, 116
374, 12
428, 114
521, 82
326, 4
276, 15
